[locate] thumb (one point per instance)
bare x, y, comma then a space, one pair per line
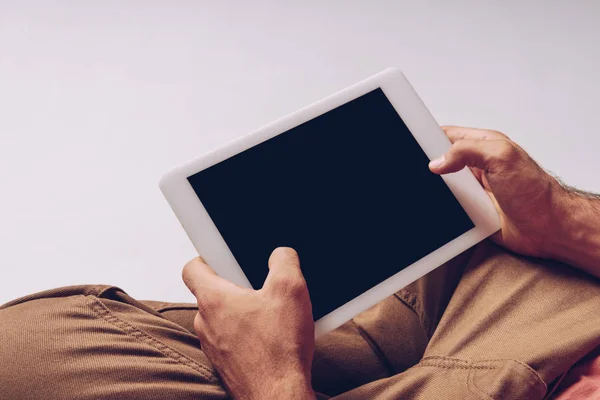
486, 155
284, 270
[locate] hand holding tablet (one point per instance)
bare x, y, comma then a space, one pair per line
240, 334
346, 183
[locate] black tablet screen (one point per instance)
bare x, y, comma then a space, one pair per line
350, 190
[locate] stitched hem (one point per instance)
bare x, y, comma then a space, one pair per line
473, 388
103, 312
453, 364
457, 363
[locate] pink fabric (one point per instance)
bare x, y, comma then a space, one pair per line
583, 380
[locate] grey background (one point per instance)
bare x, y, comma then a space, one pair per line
97, 99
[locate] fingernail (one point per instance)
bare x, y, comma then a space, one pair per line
437, 162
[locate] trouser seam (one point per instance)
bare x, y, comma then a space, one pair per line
376, 349
412, 301
451, 363
104, 312
457, 363
473, 388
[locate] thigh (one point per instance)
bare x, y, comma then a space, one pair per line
388, 338
380, 342
106, 344
512, 328
344, 359
541, 313
95, 342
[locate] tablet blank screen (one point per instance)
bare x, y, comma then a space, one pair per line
350, 190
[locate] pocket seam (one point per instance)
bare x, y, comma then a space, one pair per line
472, 366
100, 309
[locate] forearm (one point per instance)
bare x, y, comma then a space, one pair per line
292, 386
577, 239
299, 388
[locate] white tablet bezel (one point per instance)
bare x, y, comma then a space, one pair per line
209, 243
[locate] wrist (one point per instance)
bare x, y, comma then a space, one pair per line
292, 386
575, 236
554, 239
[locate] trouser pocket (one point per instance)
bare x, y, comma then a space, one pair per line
493, 379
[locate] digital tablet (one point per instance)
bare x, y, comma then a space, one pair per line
345, 182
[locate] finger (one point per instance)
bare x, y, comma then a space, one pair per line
485, 155
199, 276
198, 325
478, 173
456, 133
284, 270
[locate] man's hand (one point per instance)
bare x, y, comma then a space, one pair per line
529, 201
539, 216
260, 341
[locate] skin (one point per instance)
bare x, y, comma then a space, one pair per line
540, 217
262, 341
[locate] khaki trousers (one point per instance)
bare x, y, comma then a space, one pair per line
487, 325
